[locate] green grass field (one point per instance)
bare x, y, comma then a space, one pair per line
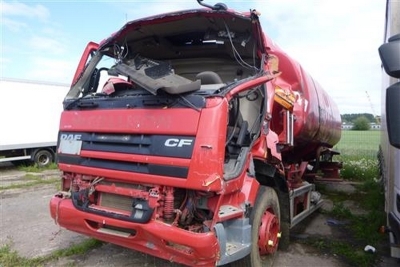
358, 152
363, 144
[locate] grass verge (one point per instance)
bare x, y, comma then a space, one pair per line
10, 258
36, 168
354, 230
30, 180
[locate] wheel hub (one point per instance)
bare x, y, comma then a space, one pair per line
268, 233
43, 159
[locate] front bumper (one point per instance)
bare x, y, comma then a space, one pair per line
155, 238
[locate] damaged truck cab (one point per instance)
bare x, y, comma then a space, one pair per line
192, 137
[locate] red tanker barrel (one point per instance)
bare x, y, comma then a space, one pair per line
317, 117
317, 120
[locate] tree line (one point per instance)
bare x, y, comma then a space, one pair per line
360, 121
353, 117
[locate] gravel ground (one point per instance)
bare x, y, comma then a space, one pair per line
26, 226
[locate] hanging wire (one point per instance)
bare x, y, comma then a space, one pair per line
236, 54
121, 52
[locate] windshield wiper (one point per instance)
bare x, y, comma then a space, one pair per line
189, 104
84, 104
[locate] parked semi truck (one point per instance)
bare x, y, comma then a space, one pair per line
389, 154
193, 137
30, 118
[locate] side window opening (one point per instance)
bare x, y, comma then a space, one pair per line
244, 124
101, 75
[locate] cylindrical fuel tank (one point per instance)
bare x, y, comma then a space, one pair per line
317, 120
317, 117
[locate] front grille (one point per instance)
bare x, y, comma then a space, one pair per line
127, 166
117, 202
135, 144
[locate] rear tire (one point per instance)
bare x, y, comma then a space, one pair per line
43, 158
265, 221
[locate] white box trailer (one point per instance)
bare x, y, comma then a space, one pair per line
389, 154
29, 120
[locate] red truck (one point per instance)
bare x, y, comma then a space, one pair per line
191, 136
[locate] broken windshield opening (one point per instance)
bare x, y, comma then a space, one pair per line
109, 74
155, 75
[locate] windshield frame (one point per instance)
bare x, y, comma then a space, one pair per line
77, 89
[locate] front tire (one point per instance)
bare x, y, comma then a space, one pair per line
265, 233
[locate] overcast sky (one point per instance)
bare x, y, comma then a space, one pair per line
335, 41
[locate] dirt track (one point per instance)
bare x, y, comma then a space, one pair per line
27, 227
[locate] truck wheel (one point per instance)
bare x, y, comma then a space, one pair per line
43, 158
284, 204
265, 221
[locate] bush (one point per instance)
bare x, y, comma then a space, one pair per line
361, 169
361, 124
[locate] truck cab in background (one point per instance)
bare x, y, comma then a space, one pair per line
192, 137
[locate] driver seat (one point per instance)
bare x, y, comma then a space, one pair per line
209, 77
